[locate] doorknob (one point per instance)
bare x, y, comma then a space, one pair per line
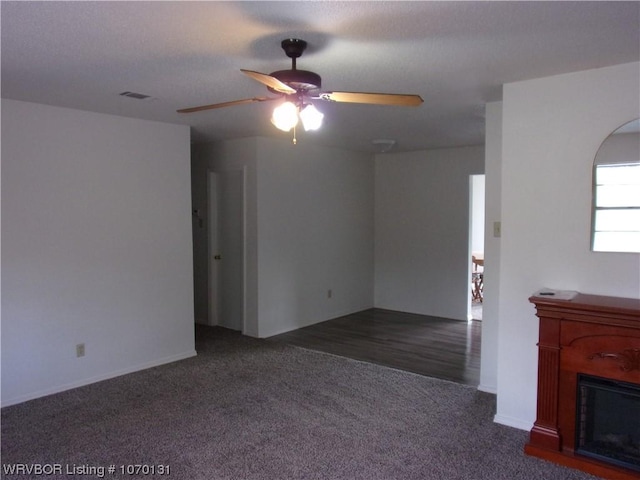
217, 257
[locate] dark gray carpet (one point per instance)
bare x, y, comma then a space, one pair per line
250, 409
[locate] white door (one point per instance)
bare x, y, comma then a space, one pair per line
226, 249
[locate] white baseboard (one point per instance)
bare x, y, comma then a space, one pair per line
97, 378
488, 389
331, 315
513, 422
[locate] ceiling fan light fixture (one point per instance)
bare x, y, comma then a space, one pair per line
311, 117
298, 88
285, 116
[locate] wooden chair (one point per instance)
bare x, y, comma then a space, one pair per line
477, 278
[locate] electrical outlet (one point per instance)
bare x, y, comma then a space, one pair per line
80, 350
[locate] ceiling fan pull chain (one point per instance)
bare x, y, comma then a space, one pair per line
295, 140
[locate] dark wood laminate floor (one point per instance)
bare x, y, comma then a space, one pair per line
430, 346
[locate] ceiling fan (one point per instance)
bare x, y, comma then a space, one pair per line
299, 88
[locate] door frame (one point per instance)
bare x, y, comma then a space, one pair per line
476, 224
213, 245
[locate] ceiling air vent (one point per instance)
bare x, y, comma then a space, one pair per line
138, 96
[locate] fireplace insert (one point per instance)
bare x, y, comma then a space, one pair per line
608, 421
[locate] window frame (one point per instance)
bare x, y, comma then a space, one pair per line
596, 208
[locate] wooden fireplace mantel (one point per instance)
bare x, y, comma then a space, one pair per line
589, 334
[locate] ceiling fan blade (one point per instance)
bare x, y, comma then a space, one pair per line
373, 98
270, 81
226, 104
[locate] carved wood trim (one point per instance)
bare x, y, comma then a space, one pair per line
629, 359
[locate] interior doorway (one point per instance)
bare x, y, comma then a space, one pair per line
476, 246
226, 249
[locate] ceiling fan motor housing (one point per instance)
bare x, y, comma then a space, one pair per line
300, 80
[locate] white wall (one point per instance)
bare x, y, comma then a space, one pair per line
199, 233
96, 247
477, 213
422, 230
309, 224
315, 226
552, 129
491, 277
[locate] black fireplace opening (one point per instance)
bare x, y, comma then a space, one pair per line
608, 421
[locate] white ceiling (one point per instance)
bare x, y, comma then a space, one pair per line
456, 55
